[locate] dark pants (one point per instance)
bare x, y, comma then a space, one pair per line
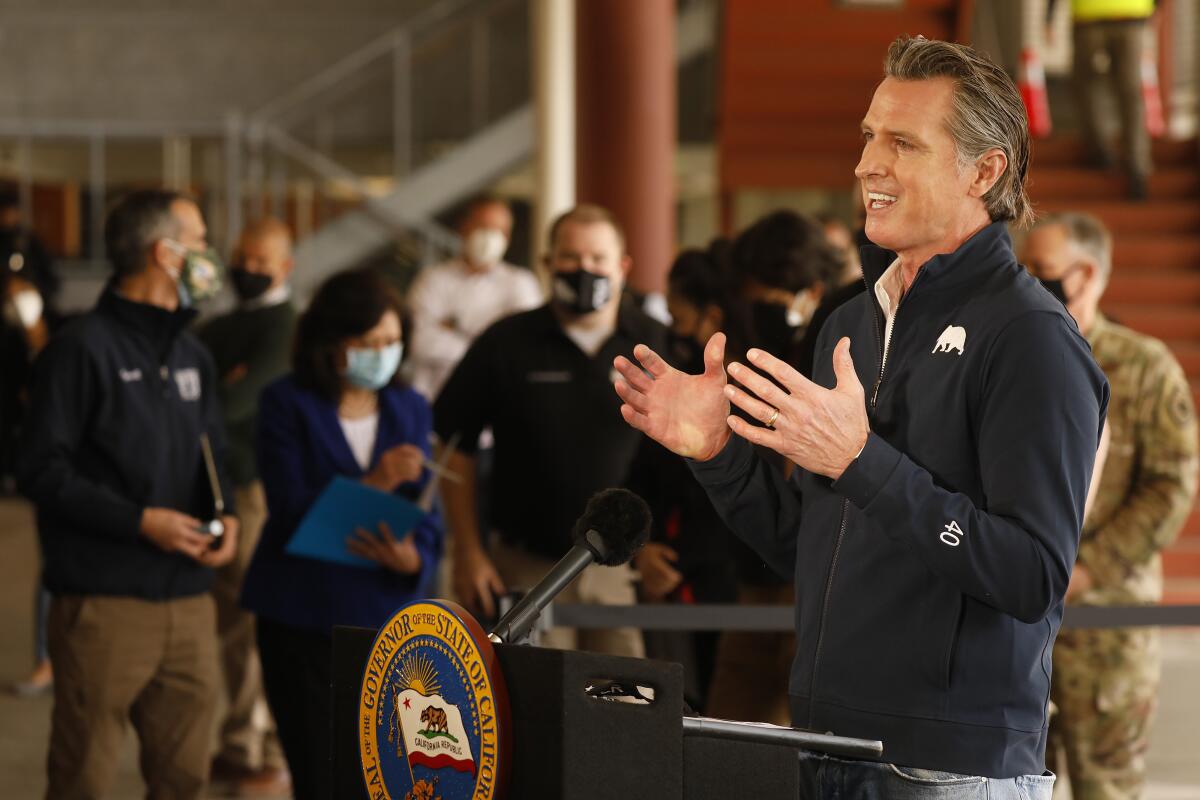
297, 676
1108, 58
41, 619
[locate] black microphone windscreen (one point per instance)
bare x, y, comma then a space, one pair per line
621, 518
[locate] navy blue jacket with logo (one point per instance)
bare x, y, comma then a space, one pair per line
930, 576
120, 399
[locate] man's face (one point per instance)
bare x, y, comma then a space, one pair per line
916, 197
591, 246
192, 233
1049, 254
494, 216
267, 254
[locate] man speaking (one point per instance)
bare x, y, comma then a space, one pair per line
944, 448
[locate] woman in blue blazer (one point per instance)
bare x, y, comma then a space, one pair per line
338, 413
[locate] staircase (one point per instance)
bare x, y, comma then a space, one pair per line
1155, 286
501, 139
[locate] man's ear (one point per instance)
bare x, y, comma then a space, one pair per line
289, 264
1093, 276
162, 253
626, 265
988, 170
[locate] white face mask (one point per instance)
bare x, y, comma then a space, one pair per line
24, 308
485, 247
802, 307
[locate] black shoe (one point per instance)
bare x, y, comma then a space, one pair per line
1138, 188
1102, 161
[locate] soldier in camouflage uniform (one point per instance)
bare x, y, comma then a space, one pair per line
1106, 681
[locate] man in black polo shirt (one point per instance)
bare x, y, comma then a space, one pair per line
542, 380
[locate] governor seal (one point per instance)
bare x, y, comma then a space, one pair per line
433, 712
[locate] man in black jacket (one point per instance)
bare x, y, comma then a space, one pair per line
112, 459
945, 446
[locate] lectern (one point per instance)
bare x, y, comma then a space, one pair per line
587, 726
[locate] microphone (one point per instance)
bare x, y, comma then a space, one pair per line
614, 526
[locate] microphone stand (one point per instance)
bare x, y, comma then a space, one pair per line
514, 627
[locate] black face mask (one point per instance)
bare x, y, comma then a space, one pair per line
1054, 287
581, 291
686, 353
249, 285
771, 327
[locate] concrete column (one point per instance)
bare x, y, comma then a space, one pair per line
1182, 25
554, 103
177, 163
626, 119
235, 135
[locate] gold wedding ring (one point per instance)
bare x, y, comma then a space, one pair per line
770, 423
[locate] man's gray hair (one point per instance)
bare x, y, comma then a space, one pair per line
138, 220
1086, 232
987, 113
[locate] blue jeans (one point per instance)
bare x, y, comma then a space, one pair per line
827, 778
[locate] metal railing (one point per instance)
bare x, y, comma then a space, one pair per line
272, 129
718, 617
287, 150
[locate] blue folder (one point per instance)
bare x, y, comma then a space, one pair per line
344, 506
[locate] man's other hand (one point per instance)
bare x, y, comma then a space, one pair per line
476, 582
659, 577
227, 549
684, 413
821, 430
175, 532
1081, 582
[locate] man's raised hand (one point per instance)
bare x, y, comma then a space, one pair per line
684, 413
821, 430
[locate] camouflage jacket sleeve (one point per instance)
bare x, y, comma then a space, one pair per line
1163, 483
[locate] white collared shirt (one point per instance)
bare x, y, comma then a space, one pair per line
470, 301
889, 289
360, 435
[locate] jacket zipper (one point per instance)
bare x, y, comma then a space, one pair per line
885, 347
837, 548
837, 545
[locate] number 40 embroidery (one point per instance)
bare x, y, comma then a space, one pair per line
953, 534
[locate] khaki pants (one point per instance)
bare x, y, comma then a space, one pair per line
750, 680
119, 660
1106, 689
612, 586
1108, 56
248, 738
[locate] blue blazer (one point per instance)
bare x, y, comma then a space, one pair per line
301, 448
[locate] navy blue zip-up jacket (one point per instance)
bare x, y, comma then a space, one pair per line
930, 576
120, 399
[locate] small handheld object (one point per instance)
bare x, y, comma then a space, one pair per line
214, 527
